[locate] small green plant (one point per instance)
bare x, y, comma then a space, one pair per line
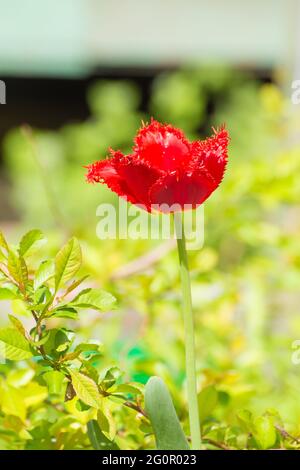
63, 371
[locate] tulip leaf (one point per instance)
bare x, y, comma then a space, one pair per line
160, 409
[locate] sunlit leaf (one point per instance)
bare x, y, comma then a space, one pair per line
14, 345
17, 324
54, 380
12, 402
3, 242
264, 432
8, 294
29, 240
97, 299
86, 389
67, 262
17, 269
43, 274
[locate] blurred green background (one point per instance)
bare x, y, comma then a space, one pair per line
83, 74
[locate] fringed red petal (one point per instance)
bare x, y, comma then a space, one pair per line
183, 191
211, 154
165, 168
162, 146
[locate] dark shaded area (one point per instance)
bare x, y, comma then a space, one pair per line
49, 103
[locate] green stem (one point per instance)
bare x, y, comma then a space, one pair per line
189, 333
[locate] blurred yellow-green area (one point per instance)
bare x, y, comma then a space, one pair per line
245, 278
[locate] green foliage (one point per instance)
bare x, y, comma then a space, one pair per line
98, 439
59, 368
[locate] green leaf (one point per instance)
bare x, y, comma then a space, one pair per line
86, 389
90, 370
96, 299
264, 432
65, 312
67, 262
12, 402
17, 324
54, 380
43, 274
109, 376
125, 389
14, 345
245, 418
75, 284
58, 341
98, 440
17, 269
8, 294
3, 242
30, 239
207, 400
160, 409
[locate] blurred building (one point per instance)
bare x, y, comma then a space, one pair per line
74, 37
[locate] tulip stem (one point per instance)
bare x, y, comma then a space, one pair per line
189, 333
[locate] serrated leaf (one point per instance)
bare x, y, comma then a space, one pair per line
30, 239
160, 409
96, 299
44, 273
98, 440
14, 345
67, 262
86, 389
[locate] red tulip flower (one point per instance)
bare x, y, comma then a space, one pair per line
166, 172
165, 168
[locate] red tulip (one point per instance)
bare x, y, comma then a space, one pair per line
165, 168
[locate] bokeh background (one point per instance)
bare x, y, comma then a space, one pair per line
83, 74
